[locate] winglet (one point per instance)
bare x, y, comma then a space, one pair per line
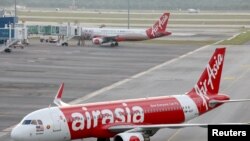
58, 99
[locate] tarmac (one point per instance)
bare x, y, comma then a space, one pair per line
30, 78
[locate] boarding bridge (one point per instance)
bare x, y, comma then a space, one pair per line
64, 33
10, 36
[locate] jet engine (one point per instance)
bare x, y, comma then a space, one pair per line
129, 137
97, 41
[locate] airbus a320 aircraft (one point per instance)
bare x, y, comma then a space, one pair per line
126, 120
101, 36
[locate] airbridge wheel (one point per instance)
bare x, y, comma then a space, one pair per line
7, 50
103, 139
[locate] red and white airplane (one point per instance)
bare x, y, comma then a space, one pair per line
101, 36
126, 120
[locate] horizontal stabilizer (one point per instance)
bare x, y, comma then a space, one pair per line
214, 102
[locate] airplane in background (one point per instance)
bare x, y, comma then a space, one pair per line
127, 120
101, 36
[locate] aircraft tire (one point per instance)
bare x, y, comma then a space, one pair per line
116, 44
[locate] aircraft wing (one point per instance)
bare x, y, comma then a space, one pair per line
156, 127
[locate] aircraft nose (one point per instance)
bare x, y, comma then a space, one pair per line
16, 134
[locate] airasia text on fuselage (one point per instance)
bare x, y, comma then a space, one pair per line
89, 119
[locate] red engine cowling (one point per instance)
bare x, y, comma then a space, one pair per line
97, 41
129, 137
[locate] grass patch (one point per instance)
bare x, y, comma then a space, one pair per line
180, 42
238, 40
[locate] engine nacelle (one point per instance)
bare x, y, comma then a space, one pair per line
97, 41
129, 137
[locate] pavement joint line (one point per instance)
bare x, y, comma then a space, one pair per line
171, 137
114, 85
8, 129
235, 35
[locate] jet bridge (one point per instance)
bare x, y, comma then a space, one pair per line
10, 36
47, 33
11, 33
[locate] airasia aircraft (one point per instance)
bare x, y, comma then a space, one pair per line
101, 36
126, 120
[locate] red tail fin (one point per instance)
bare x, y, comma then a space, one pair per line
209, 82
158, 29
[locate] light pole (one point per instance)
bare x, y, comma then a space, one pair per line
15, 16
128, 14
74, 4
15, 8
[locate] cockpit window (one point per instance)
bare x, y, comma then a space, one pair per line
40, 122
34, 122
26, 122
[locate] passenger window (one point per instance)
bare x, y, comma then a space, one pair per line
33, 122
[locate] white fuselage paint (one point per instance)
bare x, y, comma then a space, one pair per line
53, 129
109, 32
188, 105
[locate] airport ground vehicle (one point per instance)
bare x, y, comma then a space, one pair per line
48, 39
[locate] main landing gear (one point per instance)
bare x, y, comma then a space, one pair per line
114, 44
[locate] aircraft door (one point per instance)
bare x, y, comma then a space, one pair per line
56, 120
189, 107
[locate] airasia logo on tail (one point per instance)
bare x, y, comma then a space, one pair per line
160, 25
201, 88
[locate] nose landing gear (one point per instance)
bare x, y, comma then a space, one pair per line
114, 44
